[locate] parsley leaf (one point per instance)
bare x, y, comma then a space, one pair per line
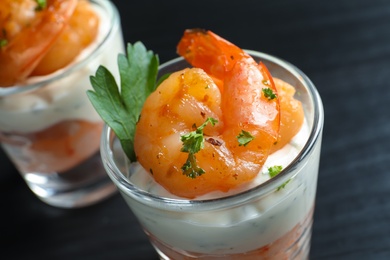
193, 142
41, 5
121, 109
244, 138
268, 93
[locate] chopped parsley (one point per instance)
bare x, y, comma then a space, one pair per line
283, 185
193, 142
244, 138
190, 168
41, 4
3, 42
268, 93
275, 170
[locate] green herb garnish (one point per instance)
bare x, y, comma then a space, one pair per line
283, 185
41, 5
121, 109
193, 142
190, 168
3, 42
268, 93
275, 170
244, 138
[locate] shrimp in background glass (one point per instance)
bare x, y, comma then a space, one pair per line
238, 102
38, 40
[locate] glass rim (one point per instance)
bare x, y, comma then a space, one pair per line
113, 15
262, 189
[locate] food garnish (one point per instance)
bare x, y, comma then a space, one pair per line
193, 142
41, 4
244, 138
275, 170
120, 109
3, 42
268, 93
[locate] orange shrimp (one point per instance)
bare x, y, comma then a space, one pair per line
79, 33
62, 146
190, 96
191, 47
55, 149
28, 35
291, 114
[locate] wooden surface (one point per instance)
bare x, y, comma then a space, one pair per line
343, 46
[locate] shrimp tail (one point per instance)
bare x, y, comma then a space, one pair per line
204, 49
241, 75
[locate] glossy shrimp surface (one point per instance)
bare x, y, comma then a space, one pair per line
291, 114
190, 96
79, 32
28, 34
39, 41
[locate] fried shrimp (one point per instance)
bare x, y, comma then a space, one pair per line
38, 40
291, 114
27, 35
79, 33
188, 97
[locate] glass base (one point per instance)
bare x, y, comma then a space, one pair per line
80, 186
299, 253
294, 245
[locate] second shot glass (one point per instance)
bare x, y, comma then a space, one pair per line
51, 132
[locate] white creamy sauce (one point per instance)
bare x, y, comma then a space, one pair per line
64, 98
239, 229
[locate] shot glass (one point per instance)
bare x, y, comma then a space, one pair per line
51, 132
263, 222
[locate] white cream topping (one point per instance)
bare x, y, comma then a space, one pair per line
236, 229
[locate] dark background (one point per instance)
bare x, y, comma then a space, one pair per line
343, 46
